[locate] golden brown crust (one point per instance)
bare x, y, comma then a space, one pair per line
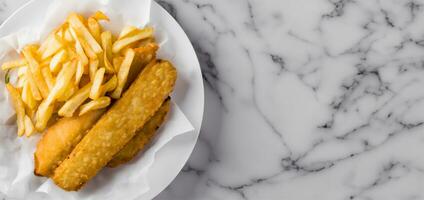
117, 126
59, 140
142, 137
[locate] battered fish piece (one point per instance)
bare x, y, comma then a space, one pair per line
142, 137
59, 140
118, 126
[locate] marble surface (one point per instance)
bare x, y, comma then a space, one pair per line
305, 99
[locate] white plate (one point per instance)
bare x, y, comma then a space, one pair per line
171, 158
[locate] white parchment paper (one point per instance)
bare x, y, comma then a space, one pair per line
128, 181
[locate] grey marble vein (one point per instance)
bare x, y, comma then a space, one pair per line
305, 99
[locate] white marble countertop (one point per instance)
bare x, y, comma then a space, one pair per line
305, 99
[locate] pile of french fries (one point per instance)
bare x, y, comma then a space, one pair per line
78, 68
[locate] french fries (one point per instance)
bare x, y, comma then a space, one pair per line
80, 52
47, 75
98, 15
44, 112
123, 73
76, 23
126, 31
13, 64
79, 72
85, 46
57, 59
70, 89
65, 86
94, 28
63, 79
93, 65
67, 35
34, 67
53, 46
34, 89
78, 68
106, 39
27, 97
125, 41
96, 104
97, 83
29, 127
68, 109
18, 104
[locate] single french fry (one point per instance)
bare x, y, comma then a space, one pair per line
44, 113
79, 26
121, 43
106, 41
68, 109
99, 15
106, 38
109, 67
97, 83
45, 44
94, 28
13, 64
123, 73
35, 70
70, 89
18, 104
57, 59
27, 97
68, 36
29, 127
92, 68
110, 85
126, 31
33, 85
54, 46
48, 77
64, 77
79, 72
96, 104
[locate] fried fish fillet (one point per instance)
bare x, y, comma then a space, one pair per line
142, 137
117, 126
59, 140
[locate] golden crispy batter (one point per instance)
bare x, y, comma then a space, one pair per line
59, 140
142, 137
117, 126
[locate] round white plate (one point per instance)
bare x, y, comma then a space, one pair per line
171, 158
